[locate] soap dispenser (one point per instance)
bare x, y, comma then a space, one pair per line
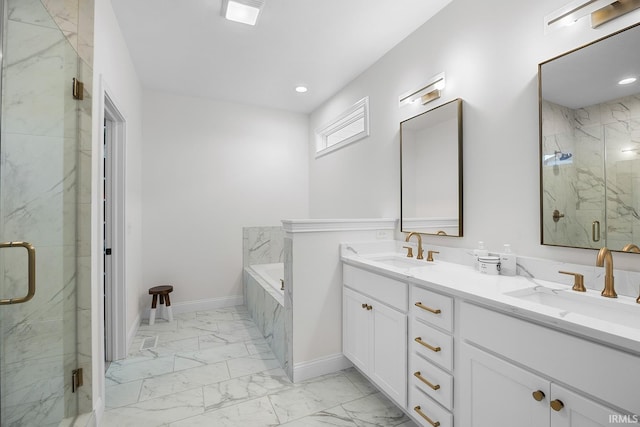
508, 261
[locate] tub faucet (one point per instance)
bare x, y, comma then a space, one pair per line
606, 259
420, 251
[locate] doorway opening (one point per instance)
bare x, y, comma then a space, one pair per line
113, 231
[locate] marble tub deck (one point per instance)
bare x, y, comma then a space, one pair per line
214, 368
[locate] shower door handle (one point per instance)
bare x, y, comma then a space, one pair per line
31, 252
595, 231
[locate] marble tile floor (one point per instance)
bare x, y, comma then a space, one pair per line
214, 368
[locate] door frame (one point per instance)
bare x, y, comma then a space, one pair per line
115, 328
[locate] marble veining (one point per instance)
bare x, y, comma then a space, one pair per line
262, 245
233, 383
265, 245
602, 141
45, 178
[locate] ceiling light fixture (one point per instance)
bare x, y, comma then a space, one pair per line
627, 81
243, 11
301, 89
428, 92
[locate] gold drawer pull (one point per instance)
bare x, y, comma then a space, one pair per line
424, 380
419, 341
423, 415
429, 309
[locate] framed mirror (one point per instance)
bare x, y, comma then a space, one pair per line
590, 144
431, 171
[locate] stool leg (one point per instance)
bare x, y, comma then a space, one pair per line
152, 313
168, 307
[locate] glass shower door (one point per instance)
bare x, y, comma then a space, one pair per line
38, 204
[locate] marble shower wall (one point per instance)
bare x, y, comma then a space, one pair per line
46, 193
604, 143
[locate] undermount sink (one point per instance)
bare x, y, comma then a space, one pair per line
399, 261
609, 310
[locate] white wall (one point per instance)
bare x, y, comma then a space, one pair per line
490, 52
211, 168
114, 73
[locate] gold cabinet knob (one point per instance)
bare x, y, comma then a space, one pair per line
369, 307
557, 405
538, 395
364, 305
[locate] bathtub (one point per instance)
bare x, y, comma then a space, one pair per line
272, 275
265, 302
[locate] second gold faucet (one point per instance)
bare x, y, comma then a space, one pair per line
420, 251
605, 259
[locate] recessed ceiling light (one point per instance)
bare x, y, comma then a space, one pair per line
301, 89
243, 11
627, 81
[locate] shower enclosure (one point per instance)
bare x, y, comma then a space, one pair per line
45, 152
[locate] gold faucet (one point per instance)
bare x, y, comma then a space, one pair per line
420, 251
430, 255
606, 259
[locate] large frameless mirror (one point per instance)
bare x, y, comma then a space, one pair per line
431, 171
590, 145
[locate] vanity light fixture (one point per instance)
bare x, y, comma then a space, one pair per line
600, 11
301, 89
571, 13
627, 81
428, 92
243, 11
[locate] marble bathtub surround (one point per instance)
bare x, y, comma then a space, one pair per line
267, 312
225, 375
262, 245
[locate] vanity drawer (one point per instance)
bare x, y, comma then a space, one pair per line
384, 289
431, 307
422, 407
428, 377
432, 344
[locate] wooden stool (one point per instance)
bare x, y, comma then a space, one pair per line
163, 291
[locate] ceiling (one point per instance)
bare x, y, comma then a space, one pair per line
187, 47
590, 75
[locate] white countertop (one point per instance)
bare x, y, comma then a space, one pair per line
489, 290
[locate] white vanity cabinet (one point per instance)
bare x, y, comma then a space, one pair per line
374, 336
495, 391
431, 356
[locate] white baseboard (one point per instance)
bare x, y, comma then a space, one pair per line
200, 305
322, 366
